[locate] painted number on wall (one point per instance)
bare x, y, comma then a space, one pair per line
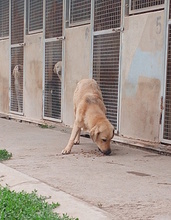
158, 25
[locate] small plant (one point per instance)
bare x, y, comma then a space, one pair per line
43, 126
46, 126
22, 205
5, 155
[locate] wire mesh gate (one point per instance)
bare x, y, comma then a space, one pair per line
167, 109
53, 58
80, 12
17, 52
4, 18
35, 16
138, 6
106, 53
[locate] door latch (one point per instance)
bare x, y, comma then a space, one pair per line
22, 44
116, 30
61, 38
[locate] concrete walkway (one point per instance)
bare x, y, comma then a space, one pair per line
130, 184
68, 204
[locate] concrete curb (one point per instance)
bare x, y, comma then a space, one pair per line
74, 207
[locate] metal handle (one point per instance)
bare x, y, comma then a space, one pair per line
116, 30
22, 44
61, 38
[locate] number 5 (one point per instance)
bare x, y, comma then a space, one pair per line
158, 25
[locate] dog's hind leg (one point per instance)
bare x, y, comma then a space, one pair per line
73, 136
77, 139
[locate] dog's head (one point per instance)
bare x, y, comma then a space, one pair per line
18, 69
58, 69
101, 134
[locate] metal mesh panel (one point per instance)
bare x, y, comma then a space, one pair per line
145, 4
16, 79
107, 14
106, 70
167, 120
35, 15
170, 10
17, 21
80, 11
4, 18
52, 98
54, 14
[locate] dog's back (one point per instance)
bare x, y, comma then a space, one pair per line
87, 89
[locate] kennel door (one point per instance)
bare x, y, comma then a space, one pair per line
53, 55
17, 55
166, 120
106, 53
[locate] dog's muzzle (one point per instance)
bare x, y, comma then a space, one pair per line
107, 152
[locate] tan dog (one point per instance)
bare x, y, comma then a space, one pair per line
58, 69
18, 77
90, 115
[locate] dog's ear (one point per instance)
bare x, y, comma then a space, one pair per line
94, 132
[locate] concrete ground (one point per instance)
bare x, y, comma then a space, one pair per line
129, 184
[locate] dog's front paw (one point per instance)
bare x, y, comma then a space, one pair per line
66, 151
76, 142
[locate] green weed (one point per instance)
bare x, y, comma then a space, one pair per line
25, 206
5, 155
45, 126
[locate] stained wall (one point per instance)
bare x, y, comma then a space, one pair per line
4, 76
33, 83
77, 65
142, 76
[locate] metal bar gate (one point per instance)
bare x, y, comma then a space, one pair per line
167, 95
17, 55
52, 59
106, 53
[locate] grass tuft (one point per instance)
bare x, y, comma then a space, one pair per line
5, 155
45, 126
22, 205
